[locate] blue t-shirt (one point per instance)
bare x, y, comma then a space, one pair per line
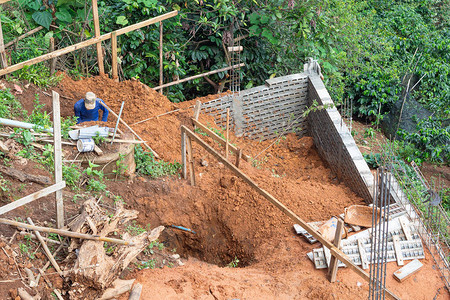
85, 115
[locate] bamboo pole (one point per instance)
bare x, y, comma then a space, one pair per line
58, 159
129, 128
101, 66
66, 232
197, 76
24, 36
227, 134
115, 75
183, 154
161, 66
191, 160
87, 43
46, 250
334, 251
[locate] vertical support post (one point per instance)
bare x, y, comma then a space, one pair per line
197, 107
183, 153
53, 60
228, 133
58, 159
115, 74
191, 160
332, 269
161, 56
238, 157
101, 67
2, 49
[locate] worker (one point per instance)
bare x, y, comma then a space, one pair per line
87, 109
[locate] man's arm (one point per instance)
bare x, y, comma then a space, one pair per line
105, 111
77, 110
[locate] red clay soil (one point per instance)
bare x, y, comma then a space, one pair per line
229, 218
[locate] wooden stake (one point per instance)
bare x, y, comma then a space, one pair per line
115, 74
129, 128
197, 108
183, 154
136, 292
161, 66
53, 61
228, 133
238, 158
191, 161
101, 67
2, 49
46, 250
332, 269
58, 159
30, 198
66, 232
87, 43
333, 250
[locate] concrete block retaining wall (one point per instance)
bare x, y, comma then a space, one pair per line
265, 111
335, 142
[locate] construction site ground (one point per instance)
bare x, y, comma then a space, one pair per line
230, 220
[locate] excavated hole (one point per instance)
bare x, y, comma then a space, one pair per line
214, 244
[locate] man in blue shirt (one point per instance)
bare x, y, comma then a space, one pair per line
87, 109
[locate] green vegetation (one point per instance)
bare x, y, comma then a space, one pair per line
234, 263
146, 164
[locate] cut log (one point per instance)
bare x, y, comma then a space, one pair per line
22, 176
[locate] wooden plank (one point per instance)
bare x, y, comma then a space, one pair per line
398, 250
161, 66
191, 161
407, 271
183, 154
217, 138
98, 151
332, 269
196, 76
66, 232
53, 60
101, 67
87, 43
227, 141
114, 71
363, 255
46, 250
334, 251
129, 128
2, 48
30, 198
58, 159
405, 227
238, 158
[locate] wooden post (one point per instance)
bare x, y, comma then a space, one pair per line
332, 269
161, 67
228, 133
53, 60
197, 108
183, 154
238, 157
191, 161
101, 67
2, 49
115, 75
46, 250
58, 159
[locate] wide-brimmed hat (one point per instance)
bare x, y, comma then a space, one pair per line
89, 101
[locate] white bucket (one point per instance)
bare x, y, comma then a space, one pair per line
85, 145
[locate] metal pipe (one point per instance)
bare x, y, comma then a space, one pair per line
117, 123
19, 124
